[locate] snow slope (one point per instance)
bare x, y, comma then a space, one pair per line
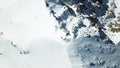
26, 20
85, 18
41, 53
28, 38
89, 53
92, 30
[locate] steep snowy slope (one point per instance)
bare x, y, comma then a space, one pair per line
85, 18
89, 53
92, 29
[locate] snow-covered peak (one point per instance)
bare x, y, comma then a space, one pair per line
82, 18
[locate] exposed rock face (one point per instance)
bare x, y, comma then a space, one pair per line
93, 28
78, 18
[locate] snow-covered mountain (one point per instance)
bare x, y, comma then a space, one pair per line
92, 29
89, 53
78, 18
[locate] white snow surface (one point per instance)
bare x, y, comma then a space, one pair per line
26, 26
43, 53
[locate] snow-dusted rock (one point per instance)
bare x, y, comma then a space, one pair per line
92, 28
84, 18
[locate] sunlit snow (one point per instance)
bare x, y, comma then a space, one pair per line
28, 25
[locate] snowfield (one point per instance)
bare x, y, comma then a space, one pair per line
28, 38
41, 53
